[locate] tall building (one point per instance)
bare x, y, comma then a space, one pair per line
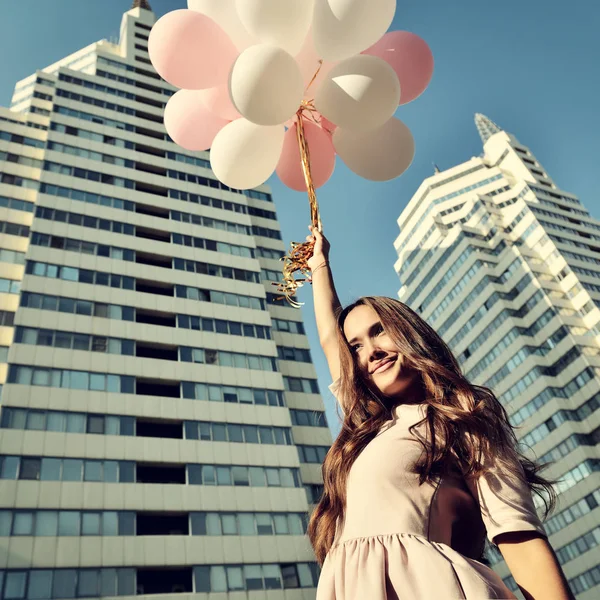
162, 429
506, 267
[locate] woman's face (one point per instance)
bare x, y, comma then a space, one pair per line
375, 354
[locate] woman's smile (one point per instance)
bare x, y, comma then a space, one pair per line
385, 365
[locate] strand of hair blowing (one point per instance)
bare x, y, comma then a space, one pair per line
466, 424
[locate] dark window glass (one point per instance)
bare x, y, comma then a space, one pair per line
30, 468
64, 583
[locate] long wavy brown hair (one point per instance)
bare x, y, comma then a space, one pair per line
468, 415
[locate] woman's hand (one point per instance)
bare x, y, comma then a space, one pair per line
320, 250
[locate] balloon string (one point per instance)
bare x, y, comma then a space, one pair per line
297, 257
314, 76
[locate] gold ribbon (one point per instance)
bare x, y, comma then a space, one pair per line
297, 258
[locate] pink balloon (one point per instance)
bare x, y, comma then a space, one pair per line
189, 123
322, 157
328, 126
218, 101
179, 45
411, 58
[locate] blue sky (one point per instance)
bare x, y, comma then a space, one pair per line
530, 66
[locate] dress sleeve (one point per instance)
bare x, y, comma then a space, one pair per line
334, 388
505, 500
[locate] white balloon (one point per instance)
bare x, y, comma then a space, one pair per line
343, 28
244, 155
378, 155
265, 85
224, 14
282, 23
359, 93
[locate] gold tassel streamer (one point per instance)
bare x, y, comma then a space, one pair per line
297, 258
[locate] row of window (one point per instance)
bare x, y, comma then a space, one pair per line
295, 354
124, 282
193, 266
239, 434
66, 422
128, 313
12, 256
125, 384
15, 204
15, 138
72, 422
112, 471
227, 359
555, 195
585, 581
227, 298
24, 182
220, 326
210, 222
524, 382
568, 445
102, 60
81, 246
308, 418
62, 523
91, 155
14, 229
9, 286
24, 123
41, 584
38, 110
312, 454
234, 394
288, 326
42, 523
570, 230
537, 434
214, 246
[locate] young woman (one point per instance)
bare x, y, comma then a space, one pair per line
426, 464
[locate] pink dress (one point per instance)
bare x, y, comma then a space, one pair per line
402, 541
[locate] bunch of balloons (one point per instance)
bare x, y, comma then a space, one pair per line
249, 69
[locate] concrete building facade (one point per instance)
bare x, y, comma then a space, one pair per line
162, 428
506, 267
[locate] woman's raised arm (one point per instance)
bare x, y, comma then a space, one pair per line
327, 304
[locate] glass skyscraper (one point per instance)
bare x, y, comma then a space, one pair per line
162, 428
